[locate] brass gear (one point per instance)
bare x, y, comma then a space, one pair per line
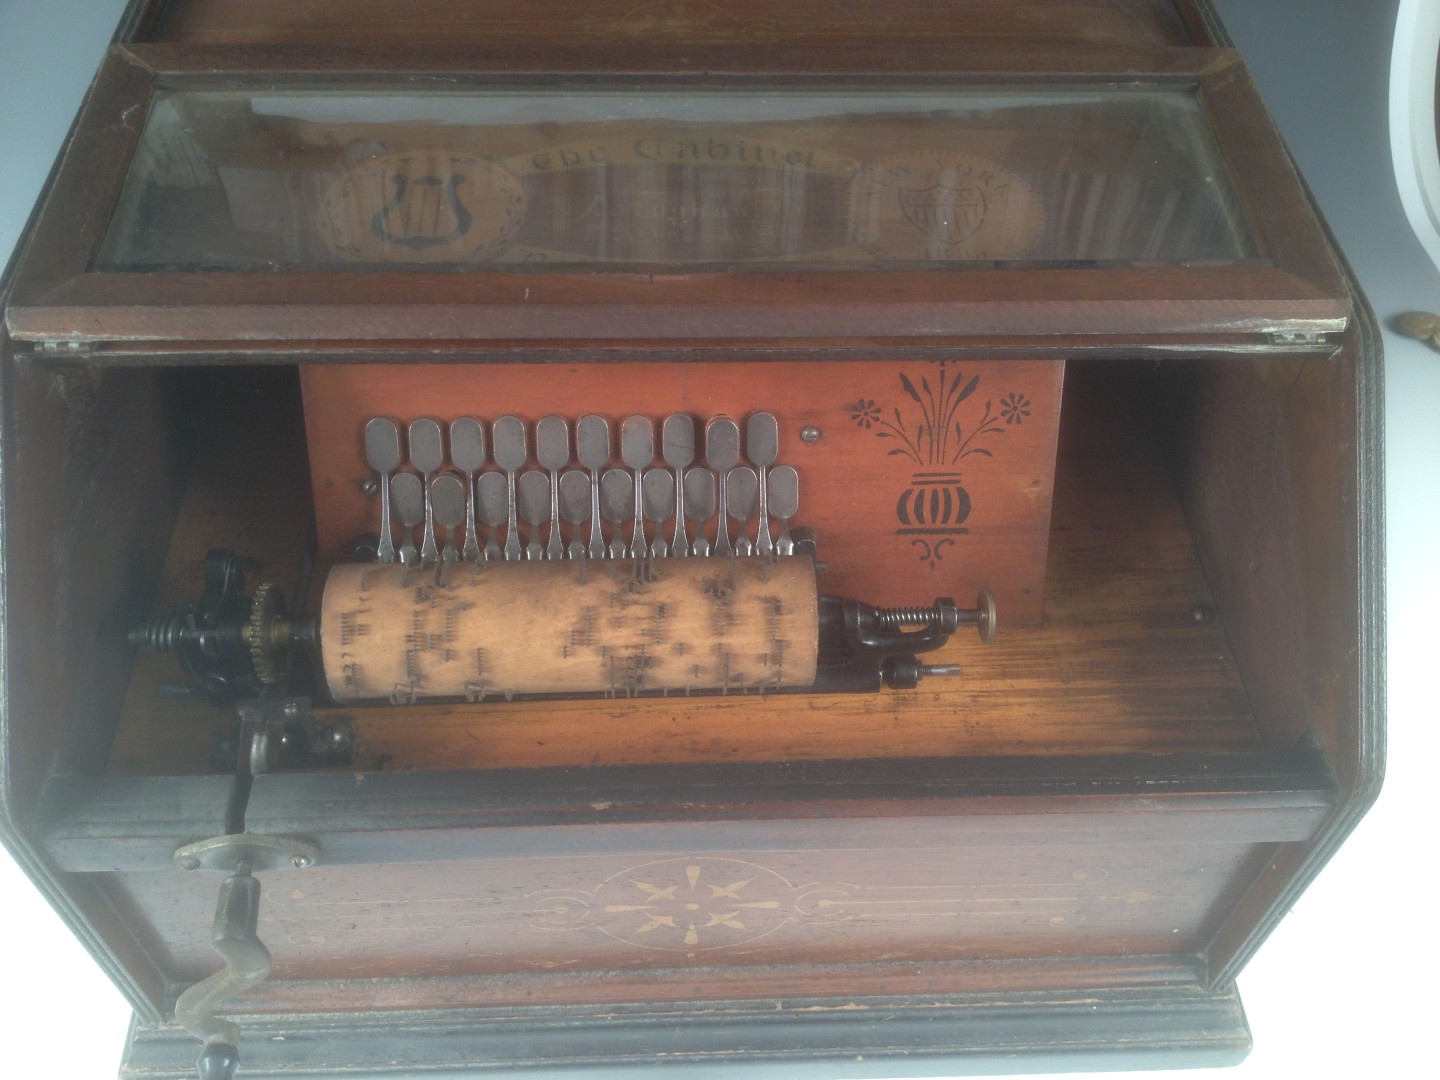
267, 633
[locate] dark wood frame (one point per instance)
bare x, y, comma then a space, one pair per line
1293, 288
68, 831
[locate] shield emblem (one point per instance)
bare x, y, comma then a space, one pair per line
949, 214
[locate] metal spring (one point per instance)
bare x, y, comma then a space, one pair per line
163, 633
907, 616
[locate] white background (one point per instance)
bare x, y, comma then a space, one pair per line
1343, 988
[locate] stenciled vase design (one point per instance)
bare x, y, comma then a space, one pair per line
933, 508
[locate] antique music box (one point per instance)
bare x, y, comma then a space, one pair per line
653, 534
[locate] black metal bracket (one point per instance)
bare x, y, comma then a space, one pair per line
875, 649
208, 638
282, 733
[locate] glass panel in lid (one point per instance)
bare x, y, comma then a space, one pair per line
750, 178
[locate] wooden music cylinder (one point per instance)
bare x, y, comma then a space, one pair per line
615, 627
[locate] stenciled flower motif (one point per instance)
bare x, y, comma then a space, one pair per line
864, 412
1014, 408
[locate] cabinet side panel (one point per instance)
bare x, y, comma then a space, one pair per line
1284, 482
92, 477
1271, 485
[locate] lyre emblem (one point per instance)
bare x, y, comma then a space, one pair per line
425, 212
956, 214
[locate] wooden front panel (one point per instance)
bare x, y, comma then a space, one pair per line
926, 479
678, 912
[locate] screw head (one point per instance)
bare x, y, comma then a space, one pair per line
810, 434
369, 487
302, 862
190, 863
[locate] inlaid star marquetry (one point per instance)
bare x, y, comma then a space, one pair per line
732, 891
656, 892
703, 904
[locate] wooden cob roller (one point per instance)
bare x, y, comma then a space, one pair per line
617, 627
584, 627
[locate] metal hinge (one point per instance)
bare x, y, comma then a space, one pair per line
69, 347
1297, 337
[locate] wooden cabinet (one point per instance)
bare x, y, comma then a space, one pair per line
1028, 298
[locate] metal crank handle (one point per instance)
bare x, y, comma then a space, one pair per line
247, 962
234, 937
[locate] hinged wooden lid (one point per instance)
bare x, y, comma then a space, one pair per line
545, 26
1041, 195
